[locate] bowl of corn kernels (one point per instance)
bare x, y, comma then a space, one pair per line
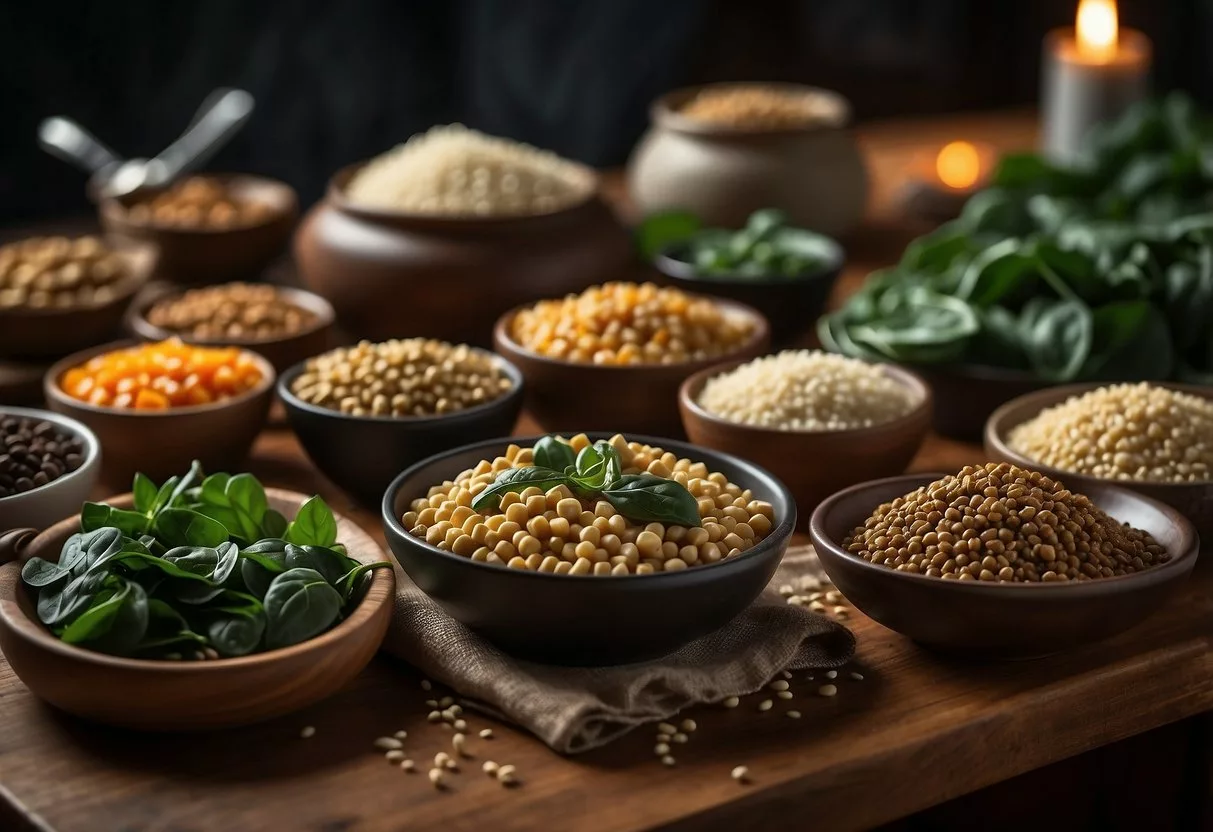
365, 413
1154, 438
592, 548
614, 356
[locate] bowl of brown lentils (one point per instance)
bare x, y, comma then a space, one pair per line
365, 413
284, 324
48, 466
589, 549
1155, 438
998, 561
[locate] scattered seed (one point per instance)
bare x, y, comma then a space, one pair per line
827, 690
447, 716
394, 756
666, 728
667, 760
809, 677
786, 590
401, 735
731, 702
793, 714
446, 702
308, 732
779, 684
816, 596
435, 716
446, 726
661, 749
787, 674
408, 765
841, 612
431, 703
765, 705
457, 742
680, 737
489, 768
798, 600
858, 677
505, 775
486, 733
388, 743
688, 725
426, 684
833, 596
441, 759
784, 694
741, 774
460, 725
831, 674
817, 606
456, 710
437, 775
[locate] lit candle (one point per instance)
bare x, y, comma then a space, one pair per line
1091, 74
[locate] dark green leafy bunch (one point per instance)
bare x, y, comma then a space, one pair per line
199, 562
766, 247
596, 471
1102, 270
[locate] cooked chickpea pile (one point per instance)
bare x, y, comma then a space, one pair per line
629, 323
413, 377
806, 390
232, 310
55, 272
559, 533
1124, 432
759, 107
1001, 523
200, 202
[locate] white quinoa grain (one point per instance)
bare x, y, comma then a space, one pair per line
827, 690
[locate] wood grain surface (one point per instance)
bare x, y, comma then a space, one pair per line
916, 731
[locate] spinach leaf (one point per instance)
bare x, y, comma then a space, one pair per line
39, 573
552, 453
59, 605
354, 584
328, 563
1057, 337
314, 525
185, 527
645, 498
273, 524
236, 631
95, 516
518, 479
299, 604
591, 470
144, 492
259, 564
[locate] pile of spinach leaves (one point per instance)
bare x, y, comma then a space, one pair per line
596, 471
1100, 270
200, 561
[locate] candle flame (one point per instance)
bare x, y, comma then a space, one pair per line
958, 165
1097, 29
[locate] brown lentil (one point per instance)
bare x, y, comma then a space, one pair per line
999, 522
413, 377
199, 202
33, 453
240, 311
629, 323
444, 517
56, 272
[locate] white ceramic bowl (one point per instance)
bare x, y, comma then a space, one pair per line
48, 504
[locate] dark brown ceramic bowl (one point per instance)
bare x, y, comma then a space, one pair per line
813, 464
362, 454
1194, 500
282, 352
52, 333
186, 695
213, 255
590, 620
162, 443
966, 395
638, 398
390, 274
983, 620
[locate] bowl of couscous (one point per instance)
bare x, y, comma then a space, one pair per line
575, 578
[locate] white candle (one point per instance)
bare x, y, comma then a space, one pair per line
1091, 74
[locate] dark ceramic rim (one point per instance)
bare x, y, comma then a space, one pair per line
115, 210
300, 298
779, 533
689, 390
52, 391
469, 414
666, 111
80, 431
335, 194
671, 265
761, 335
996, 431
140, 259
1063, 590
44, 640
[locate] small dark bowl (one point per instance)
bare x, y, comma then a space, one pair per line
814, 464
213, 255
362, 454
1193, 500
637, 398
966, 395
790, 304
590, 620
983, 620
47, 504
283, 352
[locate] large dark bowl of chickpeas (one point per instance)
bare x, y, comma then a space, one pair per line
365, 413
556, 578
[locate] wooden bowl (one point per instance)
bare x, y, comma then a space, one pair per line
186, 696
1193, 500
638, 398
213, 255
814, 464
791, 305
983, 620
966, 395
162, 443
40, 507
591, 620
283, 351
52, 333
363, 454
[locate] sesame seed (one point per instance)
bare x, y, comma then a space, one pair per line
436, 777
460, 725
679, 737
446, 702
731, 702
817, 606
486, 734
793, 714
667, 760
841, 612
431, 703
858, 677
786, 590
308, 732
827, 690
666, 728
787, 674
435, 716
831, 674
457, 742
765, 705
661, 749
490, 768
688, 725
388, 743
394, 756
740, 774
408, 765
779, 684
401, 735
784, 694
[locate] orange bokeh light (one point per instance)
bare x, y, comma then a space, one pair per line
958, 165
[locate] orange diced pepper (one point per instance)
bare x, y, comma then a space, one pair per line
148, 399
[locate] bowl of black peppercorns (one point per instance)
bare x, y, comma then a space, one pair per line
48, 467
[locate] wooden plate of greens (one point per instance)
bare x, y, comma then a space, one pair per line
205, 602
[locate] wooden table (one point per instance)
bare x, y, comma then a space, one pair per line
917, 731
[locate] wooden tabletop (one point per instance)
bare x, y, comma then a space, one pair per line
919, 729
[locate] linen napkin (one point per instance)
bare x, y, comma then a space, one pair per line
575, 709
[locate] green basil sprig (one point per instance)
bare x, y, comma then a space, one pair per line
198, 562
597, 471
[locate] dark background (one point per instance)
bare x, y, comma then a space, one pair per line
340, 81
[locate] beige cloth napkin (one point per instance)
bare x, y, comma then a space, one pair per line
574, 709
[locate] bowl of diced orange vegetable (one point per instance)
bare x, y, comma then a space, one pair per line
157, 406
